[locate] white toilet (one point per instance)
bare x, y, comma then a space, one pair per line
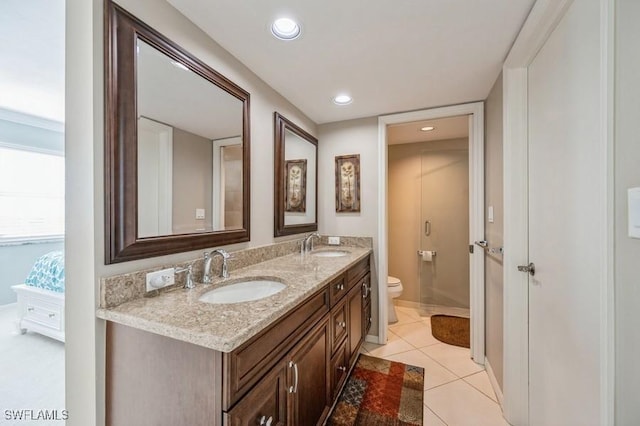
394, 289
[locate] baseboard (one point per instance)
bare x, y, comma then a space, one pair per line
8, 306
372, 339
407, 303
494, 383
428, 310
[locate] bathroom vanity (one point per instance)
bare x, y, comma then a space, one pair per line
280, 360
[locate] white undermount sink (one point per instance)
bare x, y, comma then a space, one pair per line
244, 291
330, 253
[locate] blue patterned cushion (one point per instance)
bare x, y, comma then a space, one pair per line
48, 272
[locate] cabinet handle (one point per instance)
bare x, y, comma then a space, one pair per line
266, 422
365, 290
342, 368
294, 388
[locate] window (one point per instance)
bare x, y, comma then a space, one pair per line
31, 194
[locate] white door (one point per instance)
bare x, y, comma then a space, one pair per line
564, 222
155, 178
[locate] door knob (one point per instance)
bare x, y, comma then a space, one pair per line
530, 268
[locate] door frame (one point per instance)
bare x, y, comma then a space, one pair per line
542, 20
475, 111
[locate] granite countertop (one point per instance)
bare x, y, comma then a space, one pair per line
179, 315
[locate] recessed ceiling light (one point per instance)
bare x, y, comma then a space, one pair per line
285, 29
342, 100
427, 128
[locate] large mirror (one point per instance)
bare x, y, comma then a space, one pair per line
177, 147
296, 179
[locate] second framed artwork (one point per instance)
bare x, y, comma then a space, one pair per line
348, 183
296, 186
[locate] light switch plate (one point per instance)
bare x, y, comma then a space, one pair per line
159, 279
634, 212
334, 241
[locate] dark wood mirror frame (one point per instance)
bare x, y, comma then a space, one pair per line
281, 125
121, 229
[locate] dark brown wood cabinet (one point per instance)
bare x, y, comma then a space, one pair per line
289, 374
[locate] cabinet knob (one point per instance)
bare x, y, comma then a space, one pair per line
342, 368
342, 324
340, 287
52, 315
31, 309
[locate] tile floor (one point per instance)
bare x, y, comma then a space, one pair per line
457, 391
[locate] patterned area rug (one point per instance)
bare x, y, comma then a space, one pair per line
451, 330
381, 393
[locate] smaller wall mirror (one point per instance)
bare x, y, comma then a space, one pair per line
296, 183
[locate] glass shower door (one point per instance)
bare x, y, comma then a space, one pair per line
444, 279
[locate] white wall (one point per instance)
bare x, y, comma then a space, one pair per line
627, 175
343, 138
85, 205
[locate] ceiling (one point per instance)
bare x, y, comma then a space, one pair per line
389, 55
444, 129
32, 57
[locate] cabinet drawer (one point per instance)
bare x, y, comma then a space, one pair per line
339, 369
246, 365
42, 312
338, 324
337, 289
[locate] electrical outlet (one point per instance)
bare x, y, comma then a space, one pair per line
199, 213
159, 279
334, 241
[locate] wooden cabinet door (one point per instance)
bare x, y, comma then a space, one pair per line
265, 404
355, 325
308, 373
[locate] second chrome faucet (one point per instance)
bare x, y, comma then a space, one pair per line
208, 258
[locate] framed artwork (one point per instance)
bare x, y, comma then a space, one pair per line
295, 181
348, 183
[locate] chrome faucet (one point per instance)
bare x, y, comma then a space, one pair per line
307, 243
206, 274
224, 271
